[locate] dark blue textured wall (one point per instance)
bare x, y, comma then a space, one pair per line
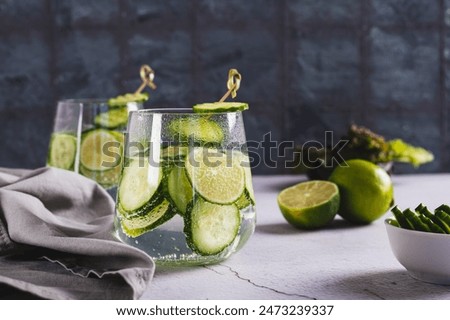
308, 65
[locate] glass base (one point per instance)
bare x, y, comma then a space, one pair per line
167, 246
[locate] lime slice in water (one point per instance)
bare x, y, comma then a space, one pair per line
93, 146
309, 205
218, 178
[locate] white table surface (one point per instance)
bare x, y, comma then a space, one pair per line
339, 262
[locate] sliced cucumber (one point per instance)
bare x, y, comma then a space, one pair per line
180, 189
393, 222
431, 225
443, 216
210, 228
156, 216
401, 219
200, 130
415, 221
113, 118
424, 211
244, 201
214, 107
92, 154
138, 185
106, 179
121, 101
217, 177
62, 151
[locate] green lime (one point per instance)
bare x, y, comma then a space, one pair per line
366, 191
217, 177
309, 205
213, 107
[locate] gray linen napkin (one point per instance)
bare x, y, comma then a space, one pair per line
56, 240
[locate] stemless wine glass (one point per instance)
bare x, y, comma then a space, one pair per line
88, 138
185, 195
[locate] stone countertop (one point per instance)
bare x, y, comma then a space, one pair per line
339, 262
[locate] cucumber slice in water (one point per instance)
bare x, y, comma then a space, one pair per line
113, 118
199, 130
156, 216
100, 150
210, 228
217, 177
214, 107
244, 161
180, 189
174, 152
138, 185
62, 151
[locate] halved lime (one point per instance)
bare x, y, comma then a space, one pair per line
122, 100
197, 129
311, 204
213, 107
100, 150
62, 151
218, 178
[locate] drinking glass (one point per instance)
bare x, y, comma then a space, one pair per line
185, 195
88, 138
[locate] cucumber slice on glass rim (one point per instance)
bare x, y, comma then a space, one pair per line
214, 107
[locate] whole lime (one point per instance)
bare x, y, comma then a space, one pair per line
309, 205
366, 191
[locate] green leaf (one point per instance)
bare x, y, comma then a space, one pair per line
403, 152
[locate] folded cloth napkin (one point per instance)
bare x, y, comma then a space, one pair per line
56, 240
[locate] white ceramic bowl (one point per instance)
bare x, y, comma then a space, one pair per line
425, 255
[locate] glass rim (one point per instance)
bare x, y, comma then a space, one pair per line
178, 111
87, 101
83, 100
